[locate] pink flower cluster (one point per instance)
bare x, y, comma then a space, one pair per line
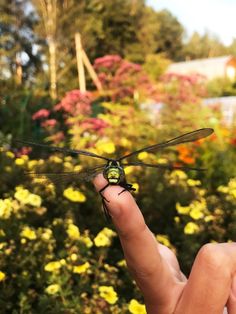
94, 124
121, 77
75, 102
41, 114
50, 123
108, 61
189, 88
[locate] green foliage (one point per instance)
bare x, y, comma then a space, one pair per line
203, 46
221, 87
170, 35
156, 65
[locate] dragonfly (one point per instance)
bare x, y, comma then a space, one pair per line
113, 168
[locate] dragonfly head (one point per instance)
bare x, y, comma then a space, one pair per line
113, 172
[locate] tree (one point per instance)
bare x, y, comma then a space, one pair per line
170, 36
205, 46
48, 13
19, 59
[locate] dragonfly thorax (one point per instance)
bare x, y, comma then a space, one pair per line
113, 172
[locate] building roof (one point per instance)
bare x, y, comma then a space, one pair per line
210, 67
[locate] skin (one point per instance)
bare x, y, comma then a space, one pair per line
212, 282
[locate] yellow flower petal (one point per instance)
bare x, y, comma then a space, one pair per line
52, 289
2, 276
136, 308
73, 232
191, 228
81, 268
53, 266
108, 294
102, 240
28, 233
74, 195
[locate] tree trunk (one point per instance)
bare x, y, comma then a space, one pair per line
52, 67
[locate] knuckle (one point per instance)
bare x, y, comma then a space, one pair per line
214, 259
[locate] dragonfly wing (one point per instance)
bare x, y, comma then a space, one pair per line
184, 138
59, 178
60, 149
162, 166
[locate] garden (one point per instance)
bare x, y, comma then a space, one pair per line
58, 253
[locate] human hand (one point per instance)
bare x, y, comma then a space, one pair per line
211, 284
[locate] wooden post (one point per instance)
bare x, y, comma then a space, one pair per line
80, 65
19, 72
91, 71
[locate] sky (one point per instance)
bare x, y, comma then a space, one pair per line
218, 17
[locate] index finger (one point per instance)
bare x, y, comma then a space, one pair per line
151, 273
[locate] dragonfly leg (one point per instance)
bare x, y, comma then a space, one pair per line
105, 210
127, 187
104, 200
103, 189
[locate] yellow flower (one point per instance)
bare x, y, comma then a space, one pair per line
87, 241
183, 210
108, 232
74, 195
34, 200
177, 219
129, 170
47, 234
81, 268
73, 232
136, 308
23, 241
32, 164
122, 263
163, 239
110, 268
10, 154
68, 166
192, 182
209, 218
125, 142
102, 240
2, 276
106, 147
5, 208
108, 294
196, 214
62, 261
143, 155
162, 161
19, 161
56, 159
191, 228
52, 289
223, 189
21, 194
77, 168
28, 233
52, 266
2, 233
178, 174
73, 257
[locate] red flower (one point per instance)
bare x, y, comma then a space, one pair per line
42, 113
49, 123
233, 141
